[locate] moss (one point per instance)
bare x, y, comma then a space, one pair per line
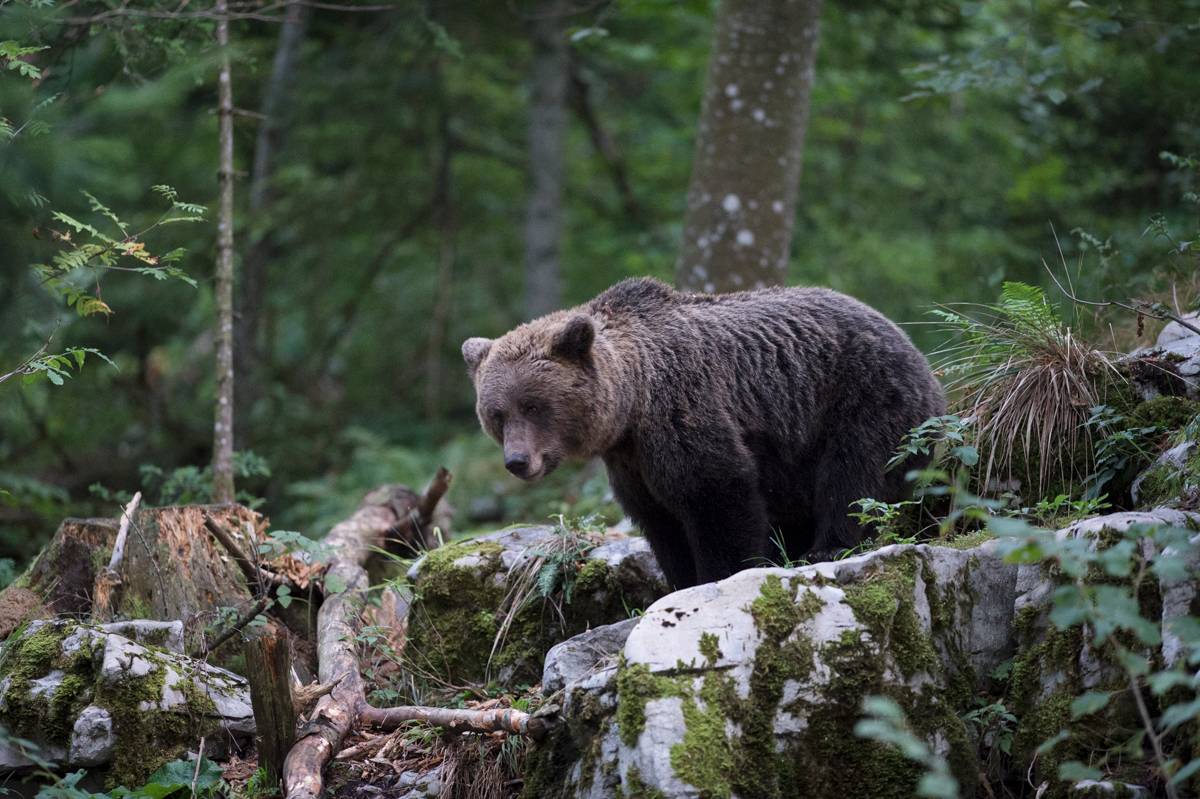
883, 602
1167, 482
1165, 413
710, 648
637, 685
705, 756
593, 576
458, 613
967, 540
133, 606
30, 657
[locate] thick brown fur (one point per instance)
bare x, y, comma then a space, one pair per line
723, 420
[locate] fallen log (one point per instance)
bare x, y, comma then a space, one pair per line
500, 719
389, 513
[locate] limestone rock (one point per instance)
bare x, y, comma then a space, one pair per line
92, 738
1171, 366
86, 696
754, 683
572, 659
463, 627
1175, 332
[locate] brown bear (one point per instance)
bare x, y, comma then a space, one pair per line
724, 420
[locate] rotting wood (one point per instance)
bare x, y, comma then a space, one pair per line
384, 513
269, 669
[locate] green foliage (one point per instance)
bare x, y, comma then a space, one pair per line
1117, 445
1102, 593
175, 779
884, 721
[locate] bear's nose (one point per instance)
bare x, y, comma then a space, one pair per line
517, 464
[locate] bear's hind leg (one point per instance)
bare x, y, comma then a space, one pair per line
843, 478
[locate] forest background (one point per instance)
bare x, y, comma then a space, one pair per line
386, 158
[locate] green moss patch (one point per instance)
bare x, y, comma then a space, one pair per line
459, 611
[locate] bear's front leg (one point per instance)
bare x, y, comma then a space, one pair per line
727, 528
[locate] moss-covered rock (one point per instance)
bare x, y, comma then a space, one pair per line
479, 614
1051, 667
87, 696
751, 687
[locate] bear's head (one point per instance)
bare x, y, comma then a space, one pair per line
538, 390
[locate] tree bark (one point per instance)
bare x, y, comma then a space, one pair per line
742, 198
547, 135
269, 670
247, 349
222, 466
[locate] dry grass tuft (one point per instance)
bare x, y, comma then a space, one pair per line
1028, 384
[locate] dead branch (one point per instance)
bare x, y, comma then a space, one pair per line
108, 578
256, 576
259, 607
507, 720
1142, 308
602, 141
437, 489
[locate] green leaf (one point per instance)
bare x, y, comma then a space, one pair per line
283, 596
938, 785
334, 584
1049, 744
1186, 772
1088, 703
1075, 771
1179, 713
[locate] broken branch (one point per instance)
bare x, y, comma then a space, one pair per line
256, 576
108, 578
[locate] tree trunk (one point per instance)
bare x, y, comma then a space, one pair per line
440, 311
222, 466
247, 349
547, 135
742, 198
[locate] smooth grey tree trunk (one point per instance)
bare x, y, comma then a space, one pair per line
742, 198
222, 465
547, 135
252, 277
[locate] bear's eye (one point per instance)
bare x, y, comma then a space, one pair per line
531, 409
498, 418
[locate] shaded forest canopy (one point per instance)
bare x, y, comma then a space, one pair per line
950, 146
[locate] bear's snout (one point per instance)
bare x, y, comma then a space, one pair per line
517, 463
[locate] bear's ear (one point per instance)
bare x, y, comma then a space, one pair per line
474, 350
574, 341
